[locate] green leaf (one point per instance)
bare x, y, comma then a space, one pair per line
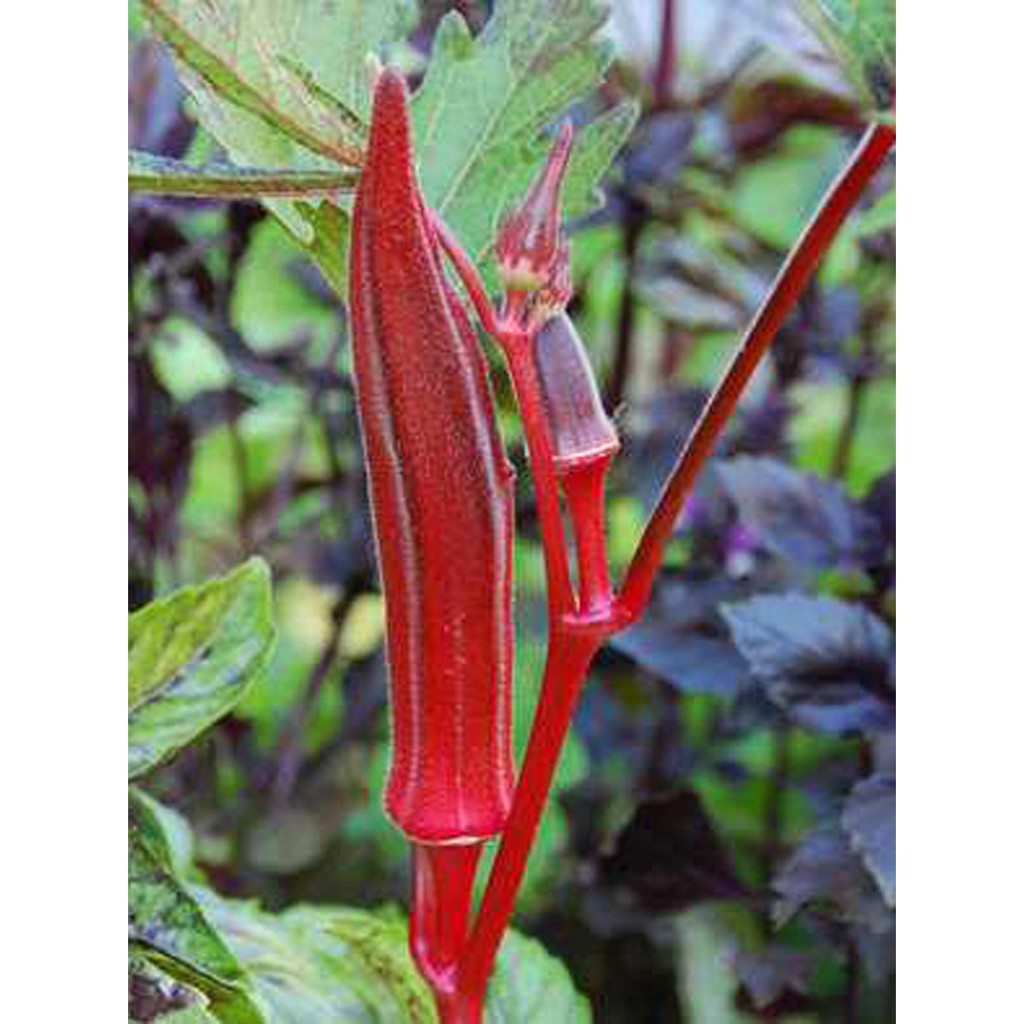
165, 920
328, 963
156, 997
529, 986
325, 964
862, 34
164, 176
283, 91
707, 938
191, 657
233, 49
165, 831
292, 93
484, 103
880, 216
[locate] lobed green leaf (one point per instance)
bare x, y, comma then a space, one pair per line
484, 103
284, 90
292, 92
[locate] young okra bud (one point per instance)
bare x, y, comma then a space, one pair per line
583, 443
441, 494
579, 429
530, 240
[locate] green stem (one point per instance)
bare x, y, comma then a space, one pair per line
159, 175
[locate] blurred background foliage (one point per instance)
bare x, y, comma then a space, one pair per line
720, 845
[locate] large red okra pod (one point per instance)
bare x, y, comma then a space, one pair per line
441, 494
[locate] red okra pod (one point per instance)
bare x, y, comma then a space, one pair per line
441, 495
580, 430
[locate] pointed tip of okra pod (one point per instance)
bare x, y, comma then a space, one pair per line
528, 242
389, 178
390, 107
389, 86
581, 432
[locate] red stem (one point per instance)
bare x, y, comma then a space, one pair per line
468, 274
804, 257
460, 1006
442, 898
665, 68
519, 351
518, 346
584, 494
569, 657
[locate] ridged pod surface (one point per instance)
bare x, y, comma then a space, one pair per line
441, 495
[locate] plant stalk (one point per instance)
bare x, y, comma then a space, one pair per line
442, 900
519, 351
569, 657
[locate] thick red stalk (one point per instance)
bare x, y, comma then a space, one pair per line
803, 258
574, 637
442, 878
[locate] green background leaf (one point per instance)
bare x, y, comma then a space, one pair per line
191, 657
156, 997
529, 986
325, 964
328, 963
165, 920
163, 829
862, 34
484, 103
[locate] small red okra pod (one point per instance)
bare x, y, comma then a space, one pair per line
578, 426
583, 443
441, 495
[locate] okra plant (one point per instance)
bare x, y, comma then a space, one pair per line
442, 488
441, 491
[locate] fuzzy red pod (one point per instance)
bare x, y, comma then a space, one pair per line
441, 494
